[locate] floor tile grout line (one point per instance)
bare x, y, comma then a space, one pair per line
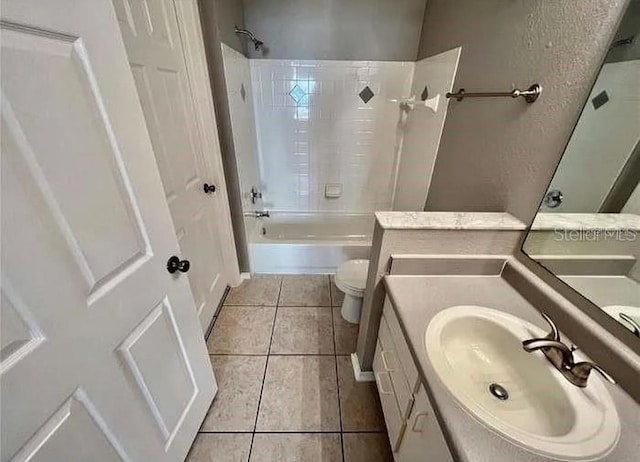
276, 354
296, 432
342, 432
266, 365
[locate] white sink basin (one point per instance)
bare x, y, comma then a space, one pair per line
472, 347
632, 311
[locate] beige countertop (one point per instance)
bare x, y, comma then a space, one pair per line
549, 221
498, 221
416, 299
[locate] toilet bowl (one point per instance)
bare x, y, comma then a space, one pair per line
351, 279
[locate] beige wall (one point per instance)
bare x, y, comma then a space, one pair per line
362, 30
230, 13
499, 154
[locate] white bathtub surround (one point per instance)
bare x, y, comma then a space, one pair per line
423, 128
311, 243
240, 93
326, 145
315, 129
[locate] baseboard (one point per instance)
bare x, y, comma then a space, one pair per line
361, 376
216, 313
244, 276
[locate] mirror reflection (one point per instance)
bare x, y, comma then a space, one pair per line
587, 229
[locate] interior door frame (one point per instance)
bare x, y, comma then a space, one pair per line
190, 28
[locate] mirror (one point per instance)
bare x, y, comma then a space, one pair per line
587, 230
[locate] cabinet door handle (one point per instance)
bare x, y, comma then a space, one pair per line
385, 364
417, 419
380, 387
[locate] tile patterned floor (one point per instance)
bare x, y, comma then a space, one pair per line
279, 349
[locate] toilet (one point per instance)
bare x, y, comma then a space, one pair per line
351, 279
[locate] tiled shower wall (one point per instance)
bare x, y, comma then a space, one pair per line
314, 129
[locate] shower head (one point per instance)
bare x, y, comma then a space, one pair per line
256, 43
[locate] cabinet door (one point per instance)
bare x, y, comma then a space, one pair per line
395, 423
423, 439
392, 365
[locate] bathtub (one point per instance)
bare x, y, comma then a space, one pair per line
314, 243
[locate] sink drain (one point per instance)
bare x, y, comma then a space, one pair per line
499, 391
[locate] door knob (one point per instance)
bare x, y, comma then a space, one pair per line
175, 264
553, 199
209, 188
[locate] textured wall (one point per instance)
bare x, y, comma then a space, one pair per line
372, 30
499, 154
229, 13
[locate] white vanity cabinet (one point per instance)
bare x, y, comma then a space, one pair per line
423, 439
413, 429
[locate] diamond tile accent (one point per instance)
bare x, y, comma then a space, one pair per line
425, 94
366, 94
297, 93
600, 100
243, 92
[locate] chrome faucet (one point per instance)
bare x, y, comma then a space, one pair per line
258, 214
635, 327
561, 356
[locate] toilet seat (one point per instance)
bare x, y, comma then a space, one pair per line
351, 277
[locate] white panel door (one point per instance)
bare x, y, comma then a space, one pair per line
102, 355
152, 39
